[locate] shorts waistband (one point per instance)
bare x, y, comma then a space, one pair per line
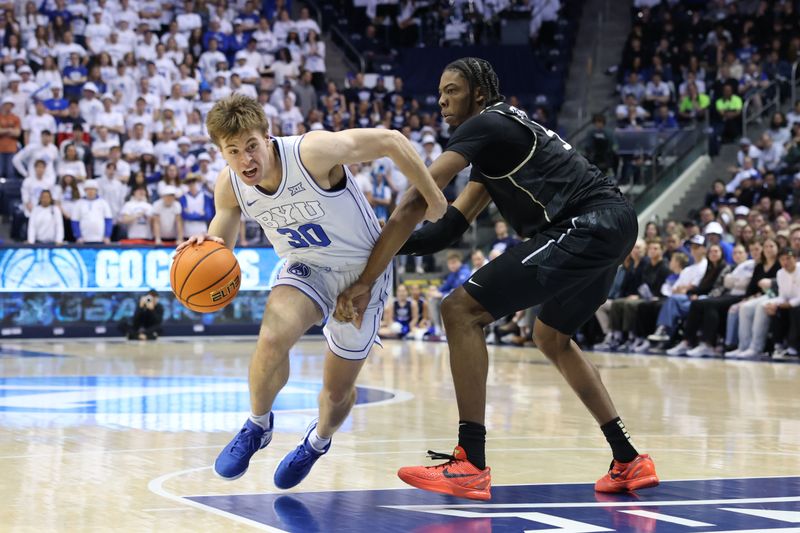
330, 268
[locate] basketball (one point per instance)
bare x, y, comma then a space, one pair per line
205, 277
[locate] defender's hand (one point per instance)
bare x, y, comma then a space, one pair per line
351, 304
437, 208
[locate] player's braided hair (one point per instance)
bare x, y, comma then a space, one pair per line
479, 75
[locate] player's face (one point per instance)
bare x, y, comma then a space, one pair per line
248, 156
457, 102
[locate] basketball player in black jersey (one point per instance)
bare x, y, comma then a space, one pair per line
578, 228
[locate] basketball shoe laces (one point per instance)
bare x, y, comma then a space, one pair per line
438, 456
617, 473
303, 455
245, 441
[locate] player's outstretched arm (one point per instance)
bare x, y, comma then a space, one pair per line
397, 230
432, 238
224, 227
323, 151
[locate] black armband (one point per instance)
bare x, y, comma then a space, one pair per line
436, 236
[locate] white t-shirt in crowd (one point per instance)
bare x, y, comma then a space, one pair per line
113, 191
167, 218
46, 224
140, 227
91, 216
137, 147
36, 124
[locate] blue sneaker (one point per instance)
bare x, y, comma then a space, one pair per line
234, 459
297, 463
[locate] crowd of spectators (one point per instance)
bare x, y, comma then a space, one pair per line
691, 62
104, 105
685, 60
724, 282
404, 23
381, 29
738, 275
703, 292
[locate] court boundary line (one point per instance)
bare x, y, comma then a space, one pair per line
397, 452
579, 505
504, 485
316, 337
547, 483
156, 486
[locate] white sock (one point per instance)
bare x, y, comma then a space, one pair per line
262, 420
317, 442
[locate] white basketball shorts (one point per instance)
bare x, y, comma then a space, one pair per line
323, 285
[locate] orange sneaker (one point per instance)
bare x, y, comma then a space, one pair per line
457, 477
628, 477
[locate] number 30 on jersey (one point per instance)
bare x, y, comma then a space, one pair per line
306, 235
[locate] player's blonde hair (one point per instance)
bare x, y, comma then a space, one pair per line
235, 115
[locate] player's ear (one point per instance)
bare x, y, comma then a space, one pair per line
480, 99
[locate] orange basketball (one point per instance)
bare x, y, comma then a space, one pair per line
205, 277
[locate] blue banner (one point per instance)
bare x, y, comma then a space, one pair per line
114, 269
67, 309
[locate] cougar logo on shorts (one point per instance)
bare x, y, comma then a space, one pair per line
300, 270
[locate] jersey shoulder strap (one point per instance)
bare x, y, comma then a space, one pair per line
537, 129
518, 115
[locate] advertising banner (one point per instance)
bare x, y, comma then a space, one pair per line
122, 269
54, 291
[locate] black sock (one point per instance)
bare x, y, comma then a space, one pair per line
617, 436
472, 437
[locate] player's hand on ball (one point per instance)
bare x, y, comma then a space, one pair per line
436, 208
199, 238
351, 304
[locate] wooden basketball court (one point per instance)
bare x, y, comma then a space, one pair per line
100, 435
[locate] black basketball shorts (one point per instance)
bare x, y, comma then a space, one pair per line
568, 268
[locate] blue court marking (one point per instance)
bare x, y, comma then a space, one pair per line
751, 504
126, 395
18, 352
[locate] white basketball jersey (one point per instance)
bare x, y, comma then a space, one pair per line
325, 228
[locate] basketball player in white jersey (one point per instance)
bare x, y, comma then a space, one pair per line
302, 194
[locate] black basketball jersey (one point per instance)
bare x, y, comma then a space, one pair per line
533, 176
